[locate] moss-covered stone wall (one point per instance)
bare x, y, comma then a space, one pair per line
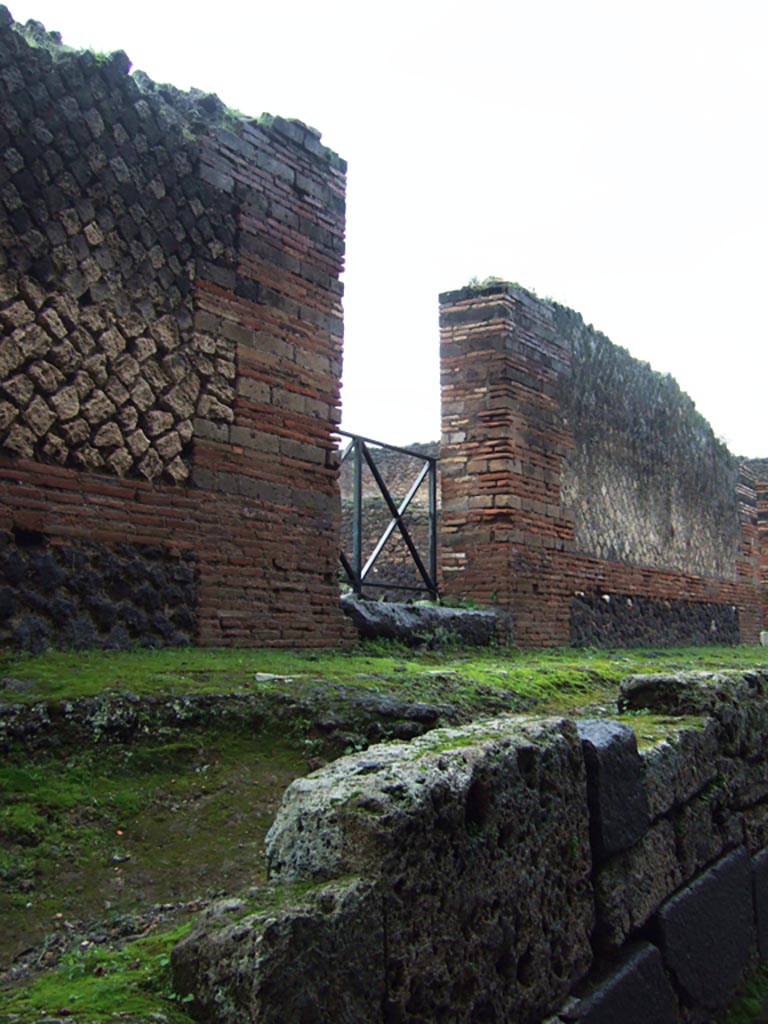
542, 871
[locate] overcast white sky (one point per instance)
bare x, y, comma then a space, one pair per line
611, 155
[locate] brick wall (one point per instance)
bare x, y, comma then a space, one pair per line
581, 490
171, 323
758, 468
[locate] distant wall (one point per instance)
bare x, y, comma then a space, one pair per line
582, 490
646, 480
170, 309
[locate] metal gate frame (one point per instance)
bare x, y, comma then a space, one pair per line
354, 568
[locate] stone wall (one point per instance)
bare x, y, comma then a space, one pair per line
646, 480
80, 594
170, 308
618, 620
573, 476
512, 869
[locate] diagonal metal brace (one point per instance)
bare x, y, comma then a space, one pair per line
353, 564
397, 521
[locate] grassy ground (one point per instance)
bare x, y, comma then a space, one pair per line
108, 831
554, 680
101, 845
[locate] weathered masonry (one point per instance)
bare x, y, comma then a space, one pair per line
759, 469
537, 871
581, 490
170, 309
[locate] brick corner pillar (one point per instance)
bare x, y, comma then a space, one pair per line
753, 503
503, 361
274, 300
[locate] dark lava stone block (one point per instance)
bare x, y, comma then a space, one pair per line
636, 992
707, 932
618, 803
760, 884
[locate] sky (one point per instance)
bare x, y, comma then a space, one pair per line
609, 154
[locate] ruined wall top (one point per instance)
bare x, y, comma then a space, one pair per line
642, 472
171, 324
648, 480
758, 467
117, 205
195, 111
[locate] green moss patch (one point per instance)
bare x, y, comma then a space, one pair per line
652, 729
96, 984
471, 679
111, 830
751, 1006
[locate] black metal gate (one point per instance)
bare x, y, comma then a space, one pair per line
362, 451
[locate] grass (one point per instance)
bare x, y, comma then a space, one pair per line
89, 842
555, 680
94, 984
103, 832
